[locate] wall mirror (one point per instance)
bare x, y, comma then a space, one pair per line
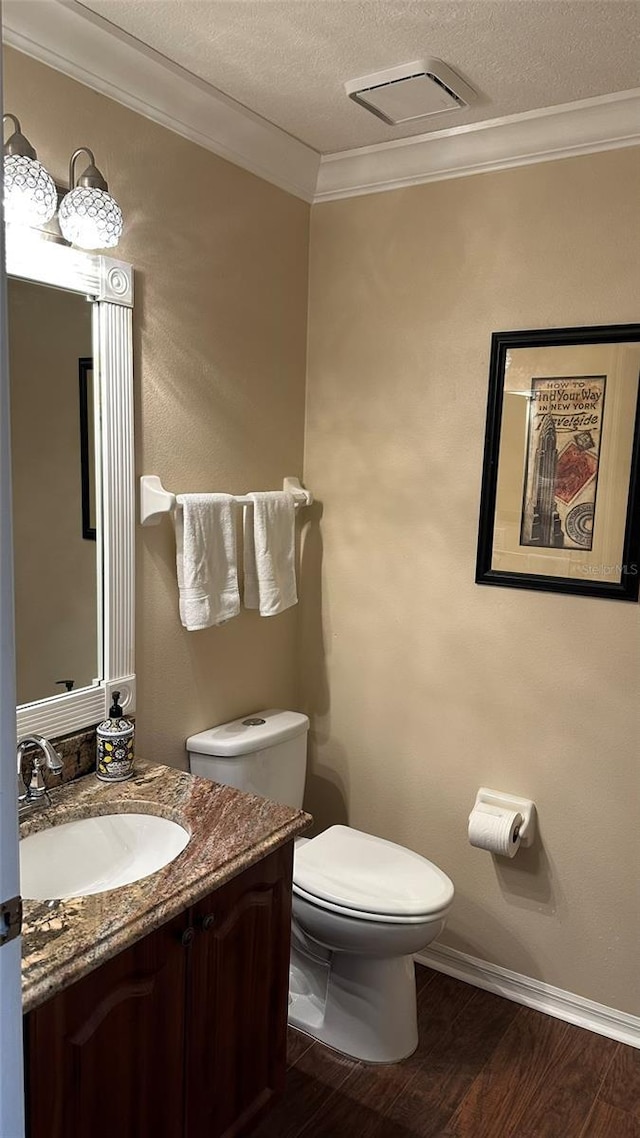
70, 351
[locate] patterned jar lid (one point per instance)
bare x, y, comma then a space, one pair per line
115, 727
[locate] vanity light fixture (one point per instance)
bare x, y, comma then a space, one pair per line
89, 217
30, 196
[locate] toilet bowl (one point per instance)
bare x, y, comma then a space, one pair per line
362, 906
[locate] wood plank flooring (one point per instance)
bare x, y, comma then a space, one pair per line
485, 1068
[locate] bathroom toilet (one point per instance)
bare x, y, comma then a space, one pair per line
362, 906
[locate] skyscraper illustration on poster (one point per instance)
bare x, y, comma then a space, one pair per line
562, 458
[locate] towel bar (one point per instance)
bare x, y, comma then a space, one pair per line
155, 501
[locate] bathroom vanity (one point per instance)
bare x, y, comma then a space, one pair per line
159, 1009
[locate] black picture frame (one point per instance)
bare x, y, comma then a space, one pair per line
87, 472
540, 538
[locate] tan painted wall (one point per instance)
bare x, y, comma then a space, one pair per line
55, 567
220, 339
422, 685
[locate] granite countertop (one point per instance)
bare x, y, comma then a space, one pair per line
230, 830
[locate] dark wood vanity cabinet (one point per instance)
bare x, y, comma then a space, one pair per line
105, 1056
237, 1042
183, 1035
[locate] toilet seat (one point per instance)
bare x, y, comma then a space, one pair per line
361, 915
359, 875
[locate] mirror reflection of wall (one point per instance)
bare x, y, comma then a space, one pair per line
55, 566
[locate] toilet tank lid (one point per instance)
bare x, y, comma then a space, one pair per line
250, 733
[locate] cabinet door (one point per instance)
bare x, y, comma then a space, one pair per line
236, 1051
105, 1056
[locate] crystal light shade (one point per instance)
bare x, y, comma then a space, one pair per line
90, 218
30, 196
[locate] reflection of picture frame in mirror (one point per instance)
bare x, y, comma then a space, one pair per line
87, 448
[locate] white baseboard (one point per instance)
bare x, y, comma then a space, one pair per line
556, 1002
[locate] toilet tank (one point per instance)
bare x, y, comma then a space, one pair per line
263, 753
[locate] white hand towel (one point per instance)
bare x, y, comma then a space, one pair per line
206, 559
269, 552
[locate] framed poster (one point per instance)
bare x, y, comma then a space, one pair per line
87, 449
560, 504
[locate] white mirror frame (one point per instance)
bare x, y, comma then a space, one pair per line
109, 283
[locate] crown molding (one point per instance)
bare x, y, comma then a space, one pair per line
72, 39
607, 122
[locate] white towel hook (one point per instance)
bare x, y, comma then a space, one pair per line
155, 501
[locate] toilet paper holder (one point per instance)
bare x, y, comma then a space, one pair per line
523, 806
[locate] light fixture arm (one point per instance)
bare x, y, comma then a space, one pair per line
91, 178
16, 143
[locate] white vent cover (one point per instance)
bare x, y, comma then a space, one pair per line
411, 91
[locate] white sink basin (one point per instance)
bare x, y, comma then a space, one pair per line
96, 854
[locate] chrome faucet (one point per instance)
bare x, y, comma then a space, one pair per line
45, 756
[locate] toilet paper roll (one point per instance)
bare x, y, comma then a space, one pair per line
495, 829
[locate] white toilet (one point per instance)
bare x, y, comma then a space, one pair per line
362, 906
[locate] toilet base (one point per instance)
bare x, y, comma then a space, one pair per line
361, 1006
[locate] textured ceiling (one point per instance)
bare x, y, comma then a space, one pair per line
287, 60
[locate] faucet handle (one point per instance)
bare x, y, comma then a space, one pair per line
37, 787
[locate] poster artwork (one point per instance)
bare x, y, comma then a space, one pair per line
563, 453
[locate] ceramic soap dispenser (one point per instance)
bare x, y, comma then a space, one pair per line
114, 758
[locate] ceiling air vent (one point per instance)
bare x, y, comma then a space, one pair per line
411, 91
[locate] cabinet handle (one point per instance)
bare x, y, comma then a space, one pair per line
208, 922
187, 936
